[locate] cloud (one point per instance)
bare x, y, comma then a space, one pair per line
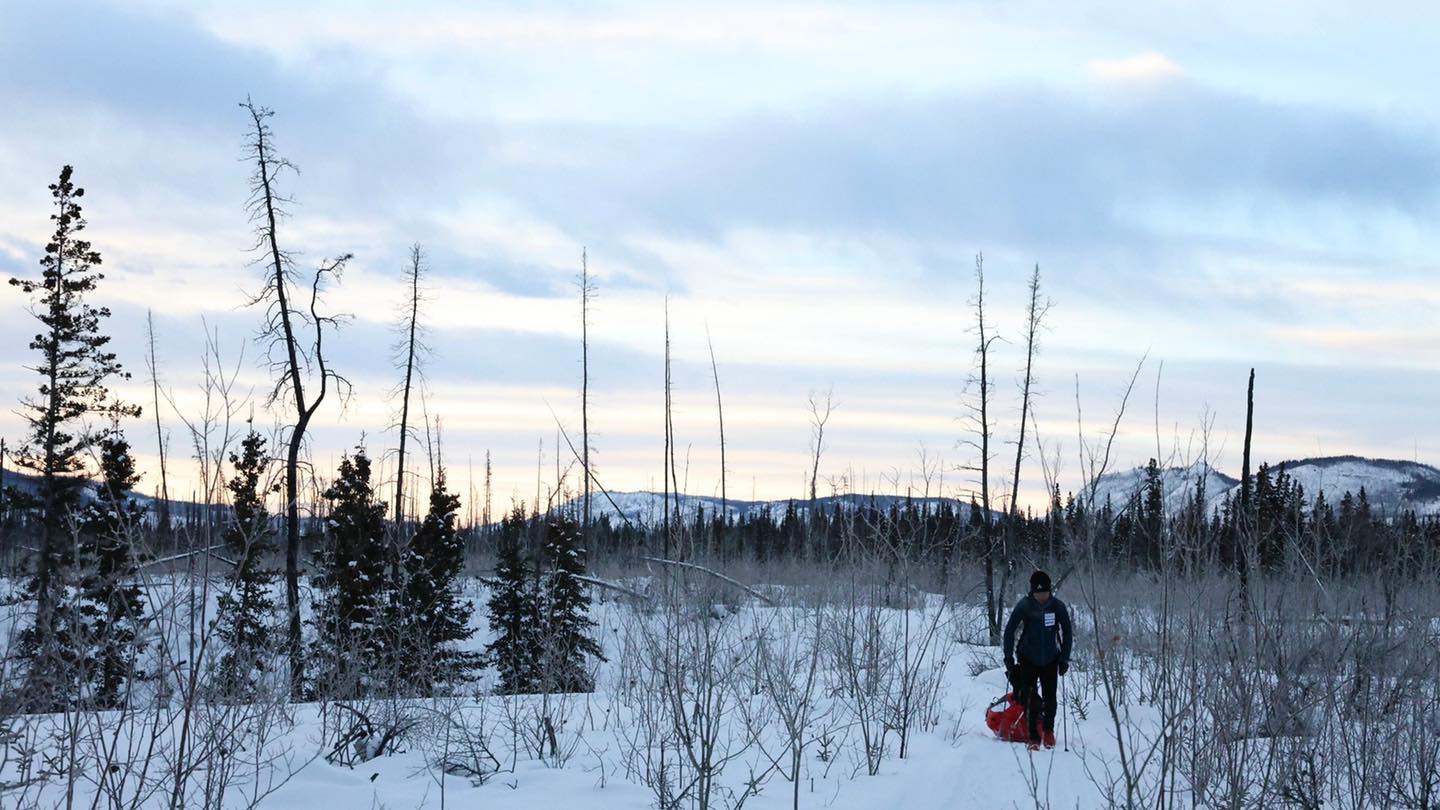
1150, 66
1121, 183
148, 100
1081, 176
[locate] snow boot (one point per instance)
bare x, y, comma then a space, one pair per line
1034, 745
1049, 739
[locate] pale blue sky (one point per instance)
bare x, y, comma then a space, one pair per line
1222, 188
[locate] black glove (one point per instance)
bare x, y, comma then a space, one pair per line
1063, 668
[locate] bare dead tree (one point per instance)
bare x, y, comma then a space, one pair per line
163, 513
1245, 483
587, 293
409, 352
980, 415
294, 360
539, 471
2, 496
720, 411
1245, 524
434, 456
485, 516
819, 416
1035, 317
669, 459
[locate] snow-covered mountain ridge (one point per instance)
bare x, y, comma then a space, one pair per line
648, 508
1392, 486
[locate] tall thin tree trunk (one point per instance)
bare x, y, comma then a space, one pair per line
987, 530
677, 523
1245, 482
585, 291
281, 327
470, 494
815, 469
1244, 525
1034, 317
411, 328
667, 461
297, 435
720, 411
818, 421
163, 515
485, 518
292, 560
4, 522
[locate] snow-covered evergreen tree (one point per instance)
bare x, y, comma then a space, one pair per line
515, 613
350, 587
247, 610
432, 613
566, 643
74, 369
112, 608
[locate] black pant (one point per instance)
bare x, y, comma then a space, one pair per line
1027, 674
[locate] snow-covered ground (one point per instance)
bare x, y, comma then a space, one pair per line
960, 765
1320, 694
952, 760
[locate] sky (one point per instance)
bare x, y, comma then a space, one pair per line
806, 187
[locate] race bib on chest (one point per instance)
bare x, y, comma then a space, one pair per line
1049, 619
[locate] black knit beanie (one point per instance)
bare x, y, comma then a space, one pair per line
1039, 581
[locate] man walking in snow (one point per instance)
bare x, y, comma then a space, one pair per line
1044, 654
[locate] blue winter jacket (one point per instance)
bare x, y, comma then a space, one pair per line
1044, 632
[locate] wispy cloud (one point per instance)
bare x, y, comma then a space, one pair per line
1150, 66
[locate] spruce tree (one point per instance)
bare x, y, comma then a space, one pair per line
112, 610
74, 369
515, 613
433, 615
1152, 512
566, 644
350, 584
247, 609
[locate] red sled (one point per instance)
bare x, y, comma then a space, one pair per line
1006, 717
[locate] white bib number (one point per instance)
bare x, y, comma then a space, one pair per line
1049, 619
